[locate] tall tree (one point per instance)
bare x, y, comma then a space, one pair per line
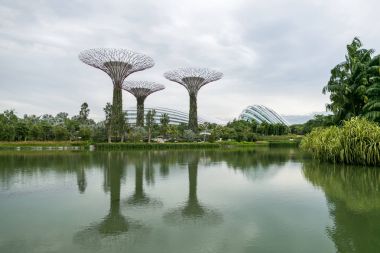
164, 120
372, 108
150, 122
84, 113
108, 111
348, 82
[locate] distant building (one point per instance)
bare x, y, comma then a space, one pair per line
261, 114
176, 117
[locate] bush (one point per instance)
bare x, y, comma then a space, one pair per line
356, 142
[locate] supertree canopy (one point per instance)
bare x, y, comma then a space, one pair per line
141, 89
118, 64
193, 79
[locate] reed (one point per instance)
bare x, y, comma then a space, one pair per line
356, 142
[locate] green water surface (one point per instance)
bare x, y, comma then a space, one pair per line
260, 200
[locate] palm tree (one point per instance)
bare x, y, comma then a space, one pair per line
348, 82
372, 108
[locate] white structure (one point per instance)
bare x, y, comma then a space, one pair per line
175, 117
261, 114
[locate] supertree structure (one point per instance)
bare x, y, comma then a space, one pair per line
193, 79
141, 90
118, 64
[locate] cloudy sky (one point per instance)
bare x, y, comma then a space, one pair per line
275, 52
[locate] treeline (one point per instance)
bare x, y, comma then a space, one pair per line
61, 127
319, 120
47, 127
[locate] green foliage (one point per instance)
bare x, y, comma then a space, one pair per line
137, 134
356, 142
354, 85
84, 113
164, 120
319, 120
189, 135
47, 127
150, 122
60, 133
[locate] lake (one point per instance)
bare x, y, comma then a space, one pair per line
249, 200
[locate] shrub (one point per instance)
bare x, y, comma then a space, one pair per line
356, 142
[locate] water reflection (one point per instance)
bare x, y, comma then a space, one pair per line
260, 204
193, 211
114, 223
139, 197
81, 180
353, 194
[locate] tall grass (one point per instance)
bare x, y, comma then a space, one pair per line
356, 142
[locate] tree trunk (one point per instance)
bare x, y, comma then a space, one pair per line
140, 112
149, 134
193, 118
116, 125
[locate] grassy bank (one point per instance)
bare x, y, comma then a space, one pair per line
356, 142
191, 145
184, 145
275, 141
42, 144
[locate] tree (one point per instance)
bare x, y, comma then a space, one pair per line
173, 132
61, 117
349, 82
84, 113
150, 122
108, 112
8, 121
372, 108
72, 127
22, 130
164, 120
60, 133
85, 133
189, 135
137, 134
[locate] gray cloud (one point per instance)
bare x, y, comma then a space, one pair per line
276, 53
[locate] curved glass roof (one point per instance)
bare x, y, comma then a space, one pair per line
261, 114
176, 117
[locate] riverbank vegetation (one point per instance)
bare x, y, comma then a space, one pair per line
356, 142
351, 134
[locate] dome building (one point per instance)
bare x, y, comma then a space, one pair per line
175, 117
262, 114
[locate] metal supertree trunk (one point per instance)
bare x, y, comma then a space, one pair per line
193, 79
118, 64
141, 90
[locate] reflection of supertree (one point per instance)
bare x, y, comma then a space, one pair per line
81, 180
354, 204
193, 211
139, 197
114, 223
141, 90
118, 64
193, 79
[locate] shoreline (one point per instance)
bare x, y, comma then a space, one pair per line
143, 145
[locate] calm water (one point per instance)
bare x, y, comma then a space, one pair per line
264, 200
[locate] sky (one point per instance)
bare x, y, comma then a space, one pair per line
277, 53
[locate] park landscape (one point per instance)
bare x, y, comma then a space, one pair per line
144, 180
